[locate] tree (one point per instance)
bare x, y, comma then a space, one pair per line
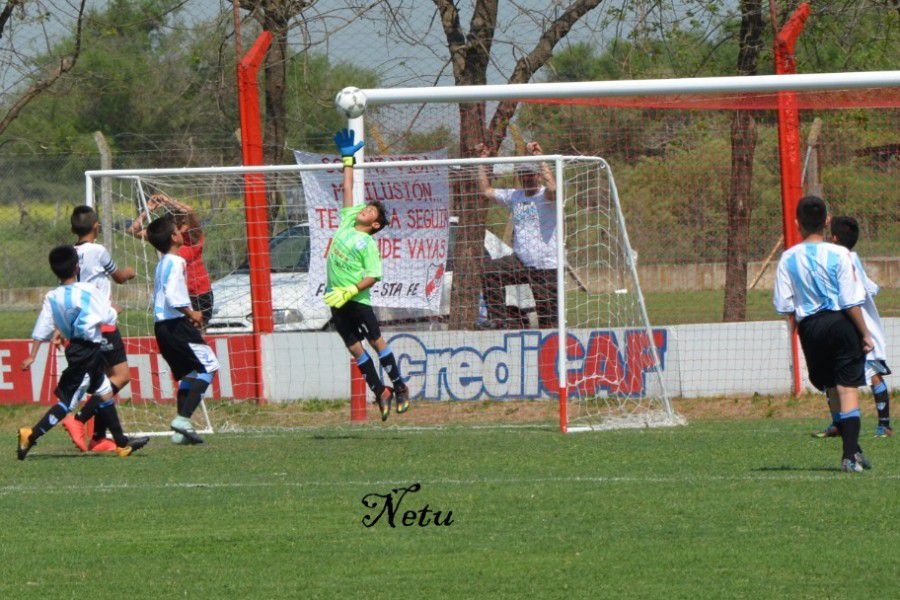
23, 70
470, 55
739, 204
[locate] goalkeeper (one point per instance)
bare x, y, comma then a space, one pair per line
353, 267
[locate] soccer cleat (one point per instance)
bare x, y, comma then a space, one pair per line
75, 429
401, 396
184, 426
384, 403
24, 443
102, 445
830, 431
851, 466
133, 445
860, 459
883, 431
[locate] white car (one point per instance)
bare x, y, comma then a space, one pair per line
293, 310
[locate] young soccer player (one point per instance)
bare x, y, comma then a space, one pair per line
354, 266
78, 310
96, 267
816, 285
198, 282
845, 232
177, 329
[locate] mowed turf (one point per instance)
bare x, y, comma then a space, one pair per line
751, 509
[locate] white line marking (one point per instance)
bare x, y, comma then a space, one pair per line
65, 489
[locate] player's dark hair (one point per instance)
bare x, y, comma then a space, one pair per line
83, 220
845, 230
382, 219
159, 233
64, 261
811, 214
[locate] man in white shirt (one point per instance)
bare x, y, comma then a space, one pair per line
535, 237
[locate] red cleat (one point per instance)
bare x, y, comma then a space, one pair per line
104, 445
76, 431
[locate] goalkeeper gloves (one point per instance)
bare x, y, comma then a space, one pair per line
339, 296
343, 139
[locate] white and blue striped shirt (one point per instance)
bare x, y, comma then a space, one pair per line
870, 312
77, 310
170, 288
816, 276
95, 266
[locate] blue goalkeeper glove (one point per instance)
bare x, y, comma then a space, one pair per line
343, 139
340, 296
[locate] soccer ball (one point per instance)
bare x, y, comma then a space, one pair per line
350, 102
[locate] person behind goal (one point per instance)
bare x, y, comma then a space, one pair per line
96, 267
815, 284
177, 329
77, 310
353, 266
845, 232
191, 250
535, 231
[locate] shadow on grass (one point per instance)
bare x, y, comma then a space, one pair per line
322, 437
788, 468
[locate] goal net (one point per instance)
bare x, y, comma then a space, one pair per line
481, 285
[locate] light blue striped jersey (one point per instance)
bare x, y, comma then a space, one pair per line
816, 276
870, 312
170, 288
77, 310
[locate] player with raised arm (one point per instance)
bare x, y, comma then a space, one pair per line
191, 250
177, 329
816, 285
353, 266
535, 231
845, 232
77, 310
96, 267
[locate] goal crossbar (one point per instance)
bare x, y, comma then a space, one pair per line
635, 87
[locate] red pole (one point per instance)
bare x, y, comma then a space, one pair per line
357, 394
789, 149
255, 198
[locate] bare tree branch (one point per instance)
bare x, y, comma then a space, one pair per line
63, 66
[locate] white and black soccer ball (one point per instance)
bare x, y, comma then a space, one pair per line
350, 102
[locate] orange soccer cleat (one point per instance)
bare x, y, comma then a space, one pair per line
102, 445
76, 431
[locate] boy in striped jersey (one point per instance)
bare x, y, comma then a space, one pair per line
96, 266
817, 286
177, 329
78, 310
845, 232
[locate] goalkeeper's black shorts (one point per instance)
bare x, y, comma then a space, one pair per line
355, 322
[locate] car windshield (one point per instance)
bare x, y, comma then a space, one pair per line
288, 252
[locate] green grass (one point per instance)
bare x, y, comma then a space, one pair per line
743, 509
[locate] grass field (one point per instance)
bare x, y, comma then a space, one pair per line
747, 508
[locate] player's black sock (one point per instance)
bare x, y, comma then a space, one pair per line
882, 403
197, 384
182, 395
107, 411
387, 360
367, 366
850, 423
53, 416
88, 410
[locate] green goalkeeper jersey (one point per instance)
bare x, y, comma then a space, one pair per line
352, 256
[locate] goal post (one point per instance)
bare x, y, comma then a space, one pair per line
599, 315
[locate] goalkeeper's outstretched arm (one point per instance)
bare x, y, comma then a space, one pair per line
547, 178
344, 140
348, 186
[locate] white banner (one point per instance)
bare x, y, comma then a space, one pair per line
415, 244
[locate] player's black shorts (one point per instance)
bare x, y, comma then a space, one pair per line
112, 348
355, 322
183, 347
84, 373
833, 350
204, 303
